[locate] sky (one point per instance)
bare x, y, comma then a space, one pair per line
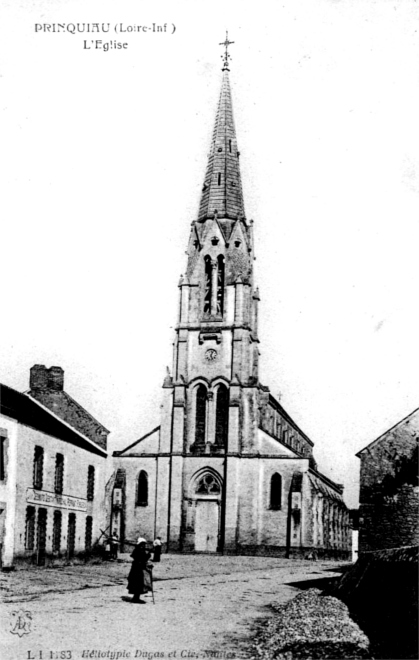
103, 159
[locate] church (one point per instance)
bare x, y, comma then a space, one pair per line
227, 470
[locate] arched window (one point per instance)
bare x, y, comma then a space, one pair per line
221, 416
200, 416
220, 285
142, 489
276, 491
208, 285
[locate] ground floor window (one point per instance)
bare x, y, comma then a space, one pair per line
41, 535
56, 531
89, 528
71, 534
30, 528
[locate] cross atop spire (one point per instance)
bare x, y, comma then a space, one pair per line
226, 57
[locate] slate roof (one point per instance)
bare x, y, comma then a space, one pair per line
66, 405
29, 412
222, 190
147, 435
405, 420
325, 486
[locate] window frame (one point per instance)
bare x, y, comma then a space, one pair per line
59, 474
57, 526
71, 534
30, 528
38, 467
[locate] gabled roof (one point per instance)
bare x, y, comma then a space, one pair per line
383, 435
47, 397
275, 404
147, 435
85, 413
222, 189
30, 412
325, 486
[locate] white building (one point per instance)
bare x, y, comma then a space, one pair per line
52, 483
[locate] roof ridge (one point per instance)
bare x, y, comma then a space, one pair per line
385, 432
119, 453
84, 410
63, 421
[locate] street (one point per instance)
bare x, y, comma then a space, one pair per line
205, 605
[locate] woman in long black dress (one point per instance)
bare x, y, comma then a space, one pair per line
136, 585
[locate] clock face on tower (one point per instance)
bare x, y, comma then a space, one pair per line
211, 355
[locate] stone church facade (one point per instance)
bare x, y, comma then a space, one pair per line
227, 470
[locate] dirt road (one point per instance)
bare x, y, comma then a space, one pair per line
202, 604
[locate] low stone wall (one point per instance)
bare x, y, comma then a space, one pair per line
310, 626
381, 591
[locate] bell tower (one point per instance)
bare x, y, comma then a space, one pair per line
211, 395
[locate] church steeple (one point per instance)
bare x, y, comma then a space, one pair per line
218, 284
216, 346
222, 189
230, 471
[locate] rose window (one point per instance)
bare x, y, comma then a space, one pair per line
208, 485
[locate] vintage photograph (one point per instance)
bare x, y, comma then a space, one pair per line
209, 409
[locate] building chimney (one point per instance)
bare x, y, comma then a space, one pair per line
56, 379
38, 379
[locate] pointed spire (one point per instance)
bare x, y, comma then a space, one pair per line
222, 190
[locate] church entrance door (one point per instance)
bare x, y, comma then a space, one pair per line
206, 526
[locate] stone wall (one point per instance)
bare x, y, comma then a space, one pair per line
389, 492
391, 523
